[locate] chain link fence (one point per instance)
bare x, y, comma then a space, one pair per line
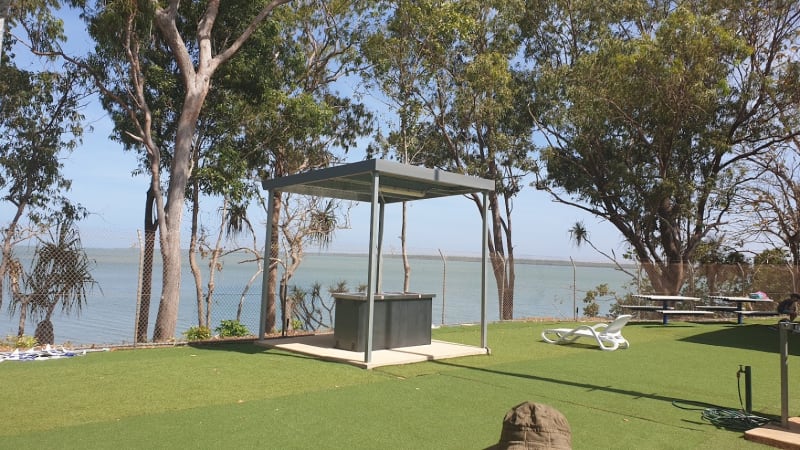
100, 297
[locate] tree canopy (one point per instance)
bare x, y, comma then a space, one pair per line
650, 111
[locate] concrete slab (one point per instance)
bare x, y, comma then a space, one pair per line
322, 346
776, 436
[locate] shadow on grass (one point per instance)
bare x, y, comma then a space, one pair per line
240, 347
761, 338
680, 403
250, 348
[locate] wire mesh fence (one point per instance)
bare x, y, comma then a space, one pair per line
101, 298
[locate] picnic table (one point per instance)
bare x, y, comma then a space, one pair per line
665, 309
739, 308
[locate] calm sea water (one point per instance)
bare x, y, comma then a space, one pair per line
542, 290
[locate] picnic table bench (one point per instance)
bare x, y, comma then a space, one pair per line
726, 308
758, 313
739, 308
665, 309
684, 312
642, 307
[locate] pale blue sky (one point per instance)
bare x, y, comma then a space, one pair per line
102, 182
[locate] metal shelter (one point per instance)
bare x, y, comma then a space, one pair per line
380, 182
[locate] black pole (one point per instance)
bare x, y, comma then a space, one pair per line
748, 390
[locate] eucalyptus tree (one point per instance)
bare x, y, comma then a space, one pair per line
5, 8
465, 108
649, 110
40, 124
770, 205
154, 65
294, 120
393, 70
137, 41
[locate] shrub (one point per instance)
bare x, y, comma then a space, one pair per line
592, 309
19, 342
232, 328
297, 324
197, 333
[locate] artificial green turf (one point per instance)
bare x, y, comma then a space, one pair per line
244, 396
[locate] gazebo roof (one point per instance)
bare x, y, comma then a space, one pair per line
397, 182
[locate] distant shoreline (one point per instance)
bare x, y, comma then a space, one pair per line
531, 261
422, 256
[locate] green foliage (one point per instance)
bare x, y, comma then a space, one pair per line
322, 224
297, 324
340, 286
23, 341
62, 272
232, 328
592, 308
197, 333
775, 256
661, 167
60, 276
40, 123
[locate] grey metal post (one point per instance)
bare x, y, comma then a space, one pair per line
484, 267
262, 324
784, 349
373, 264
379, 268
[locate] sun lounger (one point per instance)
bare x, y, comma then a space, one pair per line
607, 335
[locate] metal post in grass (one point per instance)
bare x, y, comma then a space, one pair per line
783, 329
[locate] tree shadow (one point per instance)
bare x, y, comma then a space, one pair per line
246, 347
756, 337
681, 403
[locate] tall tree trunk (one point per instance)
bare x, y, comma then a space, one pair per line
8, 245
196, 272
180, 171
502, 266
14, 268
196, 75
150, 227
5, 8
272, 264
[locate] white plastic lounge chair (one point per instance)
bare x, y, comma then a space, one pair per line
608, 335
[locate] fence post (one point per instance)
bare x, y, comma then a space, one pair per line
574, 293
444, 281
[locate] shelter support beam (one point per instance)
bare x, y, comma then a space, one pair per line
379, 262
372, 279
484, 268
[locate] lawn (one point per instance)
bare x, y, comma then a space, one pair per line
244, 396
